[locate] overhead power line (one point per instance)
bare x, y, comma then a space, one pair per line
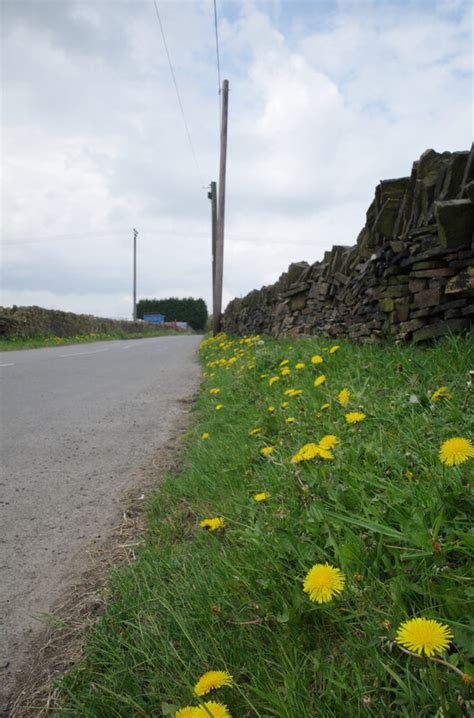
147, 234
62, 237
217, 50
178, 96
19, 242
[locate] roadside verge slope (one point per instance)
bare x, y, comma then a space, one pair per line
322, 507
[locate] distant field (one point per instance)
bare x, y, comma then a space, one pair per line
36, 342
302, 454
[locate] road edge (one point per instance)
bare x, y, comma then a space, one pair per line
59, 646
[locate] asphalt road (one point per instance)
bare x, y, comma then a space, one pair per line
77, 423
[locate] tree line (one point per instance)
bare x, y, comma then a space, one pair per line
192, 311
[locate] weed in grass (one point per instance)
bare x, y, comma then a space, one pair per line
385, 512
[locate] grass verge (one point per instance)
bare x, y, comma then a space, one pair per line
384, 510
39, 341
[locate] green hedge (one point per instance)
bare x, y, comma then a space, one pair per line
192, 311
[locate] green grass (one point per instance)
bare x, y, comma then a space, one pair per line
385, 511
38, 341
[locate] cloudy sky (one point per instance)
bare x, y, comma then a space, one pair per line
327, 97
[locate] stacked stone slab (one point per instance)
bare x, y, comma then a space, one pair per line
409, 276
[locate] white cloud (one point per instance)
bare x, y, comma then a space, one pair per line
326, 99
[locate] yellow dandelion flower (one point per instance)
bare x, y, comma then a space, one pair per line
262, 496
306, 453
456, 451
334, 349
323, 453
186, 712
468, 679
311, 451
205, 435
284, 404
328, 441
322, 582
212, 524
271, 409
214, 390
211, 681
316, 359
286, 371
344, 396
293, 392
297, 458
354, 417
273, 380
219, 407
290, 420
320, 380
408, 474
284, 362
257, 430
214, 709
424, 635
441, 393
263, 376
300, 365
326, 406
266, 451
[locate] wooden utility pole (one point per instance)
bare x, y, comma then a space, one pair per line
213, 197
135, 232
217, 315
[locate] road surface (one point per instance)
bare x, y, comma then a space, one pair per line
77, 423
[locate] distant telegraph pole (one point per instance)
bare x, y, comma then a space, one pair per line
219, 264
213, 197
135, 233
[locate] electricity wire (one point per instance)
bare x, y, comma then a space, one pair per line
217, 52
63, 237
149, 235
178, 96
95, 235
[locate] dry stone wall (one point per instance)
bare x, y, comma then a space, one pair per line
26, 322
409, 276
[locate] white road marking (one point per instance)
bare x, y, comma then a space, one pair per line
13, 364
80, 354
